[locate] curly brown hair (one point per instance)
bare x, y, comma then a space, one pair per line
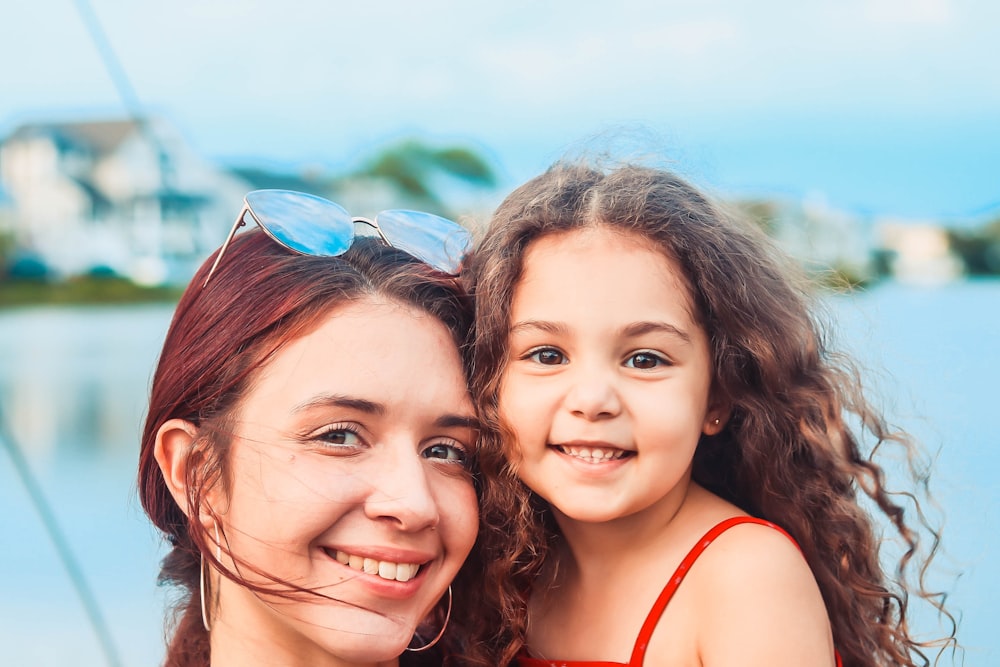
797, 447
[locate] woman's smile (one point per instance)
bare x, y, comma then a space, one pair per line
384, 569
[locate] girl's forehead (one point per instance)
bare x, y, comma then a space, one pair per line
597, 263
601, 240
616, 239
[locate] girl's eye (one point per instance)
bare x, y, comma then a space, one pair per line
547, 356
450, 453
645, 361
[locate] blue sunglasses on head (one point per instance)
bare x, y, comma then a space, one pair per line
311, 225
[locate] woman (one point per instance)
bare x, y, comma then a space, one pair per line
309, 443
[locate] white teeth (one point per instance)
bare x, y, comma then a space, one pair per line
383, 568
594, 454
387, 570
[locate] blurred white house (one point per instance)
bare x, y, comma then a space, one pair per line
126, 196
919, 252
828, 242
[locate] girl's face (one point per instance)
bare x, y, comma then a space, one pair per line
607, 383
347, 477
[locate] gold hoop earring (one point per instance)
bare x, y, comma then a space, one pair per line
447, 617
203, 576
201, 588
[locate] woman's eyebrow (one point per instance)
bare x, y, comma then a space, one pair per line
460, 421
373, 408
341, 401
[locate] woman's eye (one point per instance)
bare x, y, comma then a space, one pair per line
645, 361
548, 356
340, 437
445, 452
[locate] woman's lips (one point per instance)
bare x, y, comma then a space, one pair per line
388, 570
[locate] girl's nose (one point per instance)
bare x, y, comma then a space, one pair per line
593, 396
402, 494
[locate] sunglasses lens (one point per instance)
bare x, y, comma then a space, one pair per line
301, 222
433, 239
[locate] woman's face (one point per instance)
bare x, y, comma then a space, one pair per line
347, 478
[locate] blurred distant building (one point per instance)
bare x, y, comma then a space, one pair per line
826, 241
919, 252
125, 196
6, 211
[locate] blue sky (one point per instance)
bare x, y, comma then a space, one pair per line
880, 106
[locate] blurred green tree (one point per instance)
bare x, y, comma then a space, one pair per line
421, 172
416, 174
978, 248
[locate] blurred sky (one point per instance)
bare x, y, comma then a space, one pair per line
880, 106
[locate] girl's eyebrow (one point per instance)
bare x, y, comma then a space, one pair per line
537, 325
634, 329
640, 328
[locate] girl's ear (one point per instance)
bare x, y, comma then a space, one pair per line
174, 444
715, 419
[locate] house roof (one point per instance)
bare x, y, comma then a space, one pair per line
99, 136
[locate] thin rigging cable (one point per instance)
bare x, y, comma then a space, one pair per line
34, 489
124, 87
111, 62
62, 547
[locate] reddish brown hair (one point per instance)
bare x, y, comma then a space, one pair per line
260, 298
796, 449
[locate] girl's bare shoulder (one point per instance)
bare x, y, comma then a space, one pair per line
759, 601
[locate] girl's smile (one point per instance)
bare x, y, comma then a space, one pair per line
593, 452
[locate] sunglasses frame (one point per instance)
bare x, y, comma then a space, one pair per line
247, 209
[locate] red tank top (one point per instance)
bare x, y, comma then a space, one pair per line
639, 650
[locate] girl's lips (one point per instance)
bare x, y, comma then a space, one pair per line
593, 453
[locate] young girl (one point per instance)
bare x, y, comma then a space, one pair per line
671, 475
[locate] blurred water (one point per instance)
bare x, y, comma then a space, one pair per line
934, 356
73, 385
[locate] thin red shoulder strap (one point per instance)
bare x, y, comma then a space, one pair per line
639, 652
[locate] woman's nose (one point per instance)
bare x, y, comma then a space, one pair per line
402, 492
